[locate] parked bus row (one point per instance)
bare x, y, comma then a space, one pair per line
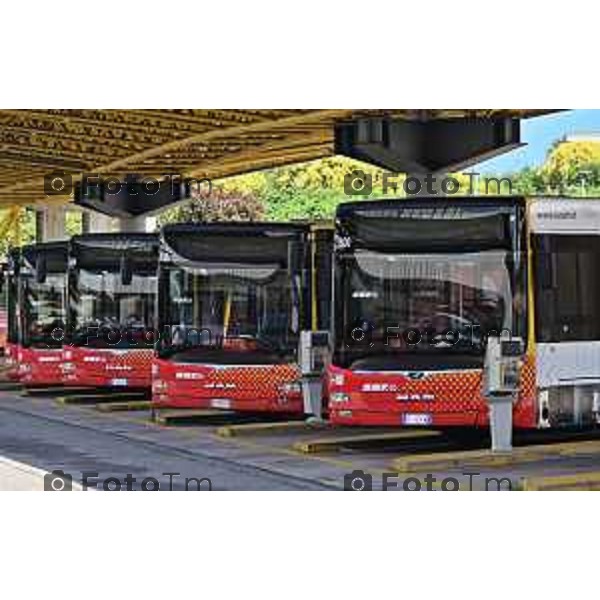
388, 311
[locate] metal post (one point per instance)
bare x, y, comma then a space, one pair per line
501, 422
311, 382
578, 399
596, 406
312, 395
501, 386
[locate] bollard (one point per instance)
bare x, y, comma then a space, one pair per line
501, 422
503, 361
312, 391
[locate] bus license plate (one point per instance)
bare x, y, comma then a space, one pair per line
220, 403
118, 382
417, 419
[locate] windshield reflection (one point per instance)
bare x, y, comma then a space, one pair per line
101, 303
43, 310
231, 313
407, 304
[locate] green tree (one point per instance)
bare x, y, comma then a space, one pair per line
568, 162
219, 205
310, 190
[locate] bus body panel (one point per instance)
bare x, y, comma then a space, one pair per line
423, 398
269, 388
3, 329
39, 366
565, 308
11, 360
105, 367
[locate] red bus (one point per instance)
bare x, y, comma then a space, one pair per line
418, 285
3, 307
41, 299
233, 301
11, 295
111, 293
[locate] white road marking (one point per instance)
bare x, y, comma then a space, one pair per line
21, 477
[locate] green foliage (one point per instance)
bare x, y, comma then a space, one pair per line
219, 205
566, 161
23, 231
73, 223
310, 190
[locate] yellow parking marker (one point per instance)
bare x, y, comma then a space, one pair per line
486, 458
124, 406
573, 482
271, 428
581, 448
334, 444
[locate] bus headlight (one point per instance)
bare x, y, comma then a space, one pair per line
159, 386
339, 398
337, 379
290, 389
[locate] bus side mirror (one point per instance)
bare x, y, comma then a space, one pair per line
126, 271
40, 269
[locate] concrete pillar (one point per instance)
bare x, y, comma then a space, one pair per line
50, 224
501, 423
95, 222
136, 224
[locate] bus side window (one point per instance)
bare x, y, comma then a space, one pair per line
567, 289
546, 263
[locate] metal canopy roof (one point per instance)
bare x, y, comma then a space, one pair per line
195, 143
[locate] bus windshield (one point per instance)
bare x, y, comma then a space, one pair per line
230, 313
43, 311
105, 312
411, 310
